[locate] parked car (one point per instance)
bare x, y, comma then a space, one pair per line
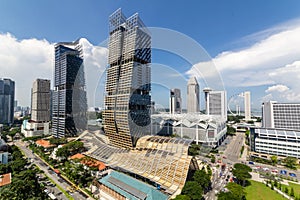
292, 175
284, 172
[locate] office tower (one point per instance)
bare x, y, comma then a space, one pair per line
281, 115
216, 102
127, 99
40, 110
7, 100
193, 96
175, 101
69, 95
40, 101
247, 103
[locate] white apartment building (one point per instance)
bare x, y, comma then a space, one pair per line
270, 141
281, 115
216, 102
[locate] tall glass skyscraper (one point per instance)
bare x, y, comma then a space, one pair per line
127, 98
69, 103
7, 100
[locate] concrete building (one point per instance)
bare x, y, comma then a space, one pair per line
216, 102
209, 130
193, 103
281, 115
40, 101
265, 142
175, 101
247, 105
40, 110
128, 84
7, 100
69, 95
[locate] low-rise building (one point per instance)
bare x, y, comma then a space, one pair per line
271, 141
209, 130
30, 129
119, 186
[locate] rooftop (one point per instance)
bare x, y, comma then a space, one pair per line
89, 161
44, 143
5, 179
131, 188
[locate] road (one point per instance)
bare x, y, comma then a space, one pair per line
233, 150
58, 181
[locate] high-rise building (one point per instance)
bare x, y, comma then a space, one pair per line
216, 102
127, 99
69, 104
7, 100
40, 100
40, 110
193, 96
281, 115
175, 101
247, 104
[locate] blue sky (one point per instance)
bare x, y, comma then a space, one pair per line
227, 30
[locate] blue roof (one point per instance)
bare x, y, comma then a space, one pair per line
129, 183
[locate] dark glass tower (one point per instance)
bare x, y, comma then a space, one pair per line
127, 98
69, 103
7, 100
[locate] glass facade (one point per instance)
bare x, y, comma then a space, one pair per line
7, 99
127, 99
69, 103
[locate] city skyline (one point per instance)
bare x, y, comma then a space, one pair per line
233, 49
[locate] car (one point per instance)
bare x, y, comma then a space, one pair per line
266, 169
292, 174
275, 171
284, 172
224, 157
46, 191
251, 162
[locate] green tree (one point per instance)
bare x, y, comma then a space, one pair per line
292, 193
202, 178
182, 197
193, 190
213, 159
236, 190
194, 149
290, 162
226, 196
274, 159
241, 172
286, 190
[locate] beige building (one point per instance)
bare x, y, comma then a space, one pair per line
193, 103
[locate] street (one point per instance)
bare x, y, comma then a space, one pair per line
58, 181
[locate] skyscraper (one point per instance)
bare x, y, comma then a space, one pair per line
247, 103
40, 101
127, 99
216, 102
69, 95
175, 101
7, 100
40, 110
193, 96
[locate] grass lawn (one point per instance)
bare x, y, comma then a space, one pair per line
259, 191
292, 185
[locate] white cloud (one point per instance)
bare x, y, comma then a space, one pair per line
26, 60
277, 88
251, 65
23, 61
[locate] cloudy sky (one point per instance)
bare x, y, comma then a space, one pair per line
253, 45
